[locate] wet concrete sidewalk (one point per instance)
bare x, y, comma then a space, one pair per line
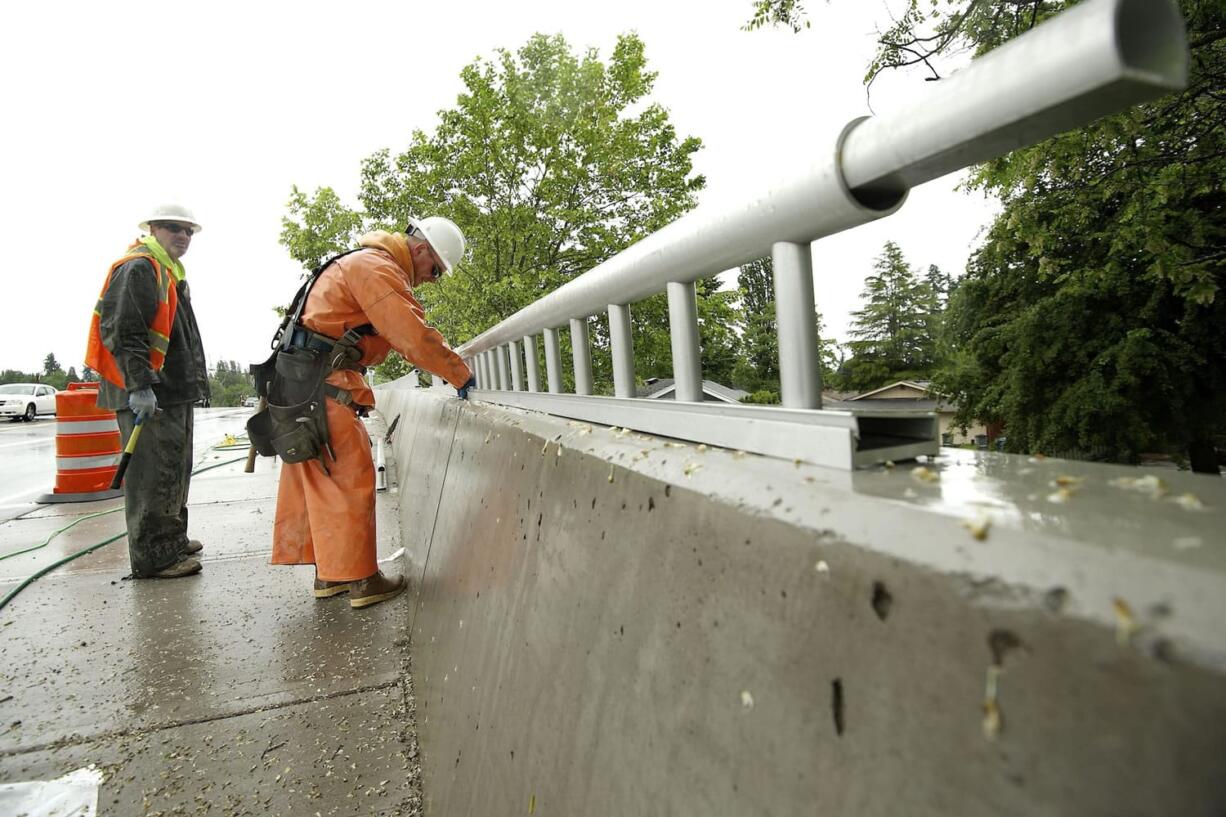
233, 692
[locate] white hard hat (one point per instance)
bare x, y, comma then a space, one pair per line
443, 236
171, 212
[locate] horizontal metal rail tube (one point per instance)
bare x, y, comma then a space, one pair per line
810, 203
1096, 58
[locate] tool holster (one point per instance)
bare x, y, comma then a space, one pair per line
294, 425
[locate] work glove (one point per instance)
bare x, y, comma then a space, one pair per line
462, 392
143, 403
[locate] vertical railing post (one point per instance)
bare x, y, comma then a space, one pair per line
581, 355
622, 342
490, 378
483, 380
553, 361
683, 332
517, 366
500, 363
800, 369
534, 368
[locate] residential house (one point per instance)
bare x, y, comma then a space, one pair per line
916, 395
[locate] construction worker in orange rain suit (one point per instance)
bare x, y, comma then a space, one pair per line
328, 519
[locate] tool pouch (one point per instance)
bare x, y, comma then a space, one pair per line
294, 426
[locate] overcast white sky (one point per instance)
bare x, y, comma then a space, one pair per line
108, 108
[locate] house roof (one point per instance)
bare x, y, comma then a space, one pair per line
663, 387
922, 386
888, 404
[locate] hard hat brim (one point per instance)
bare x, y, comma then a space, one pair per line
144, 225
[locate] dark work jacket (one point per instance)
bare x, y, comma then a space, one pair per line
128, 308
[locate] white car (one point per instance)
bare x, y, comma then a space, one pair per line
26, 400
251, 402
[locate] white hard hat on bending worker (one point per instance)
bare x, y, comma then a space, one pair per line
443, 236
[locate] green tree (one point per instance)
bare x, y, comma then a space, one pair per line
789, 13
321, 227
896, 331
229, 384
53, 374
758, 369
940, 285
550, 162
1090, 322
15, 376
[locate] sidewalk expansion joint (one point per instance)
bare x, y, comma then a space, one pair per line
73, 740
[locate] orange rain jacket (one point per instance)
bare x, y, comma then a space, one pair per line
373, 287
329, 519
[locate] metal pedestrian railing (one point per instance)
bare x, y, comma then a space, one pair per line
1099, 57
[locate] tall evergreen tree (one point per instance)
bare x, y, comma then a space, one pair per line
758, 369
940, 285
895, 332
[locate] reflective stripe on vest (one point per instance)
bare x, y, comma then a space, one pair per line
99, 358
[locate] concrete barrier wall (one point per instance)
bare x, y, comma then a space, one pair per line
604, 623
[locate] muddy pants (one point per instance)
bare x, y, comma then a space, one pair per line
329, 521
155, 487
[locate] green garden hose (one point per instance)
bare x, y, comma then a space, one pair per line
9, 597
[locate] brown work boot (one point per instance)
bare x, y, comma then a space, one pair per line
184, 567
324, 590
374, 589
193, 546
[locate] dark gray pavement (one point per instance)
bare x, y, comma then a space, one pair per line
230, 692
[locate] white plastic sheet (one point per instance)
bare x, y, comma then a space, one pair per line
73, 795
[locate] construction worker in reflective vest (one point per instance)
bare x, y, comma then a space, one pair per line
145, 345
326, 510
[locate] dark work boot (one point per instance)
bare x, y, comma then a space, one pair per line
193, 546
374, 589
184, 567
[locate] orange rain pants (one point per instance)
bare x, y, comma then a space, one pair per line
329, 521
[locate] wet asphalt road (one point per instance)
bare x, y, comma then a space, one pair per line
27, 454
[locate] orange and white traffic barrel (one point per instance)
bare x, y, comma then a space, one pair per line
86, 447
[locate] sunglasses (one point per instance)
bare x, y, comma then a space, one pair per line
437, 270
175, 227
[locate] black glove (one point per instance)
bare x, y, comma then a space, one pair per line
462, 392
